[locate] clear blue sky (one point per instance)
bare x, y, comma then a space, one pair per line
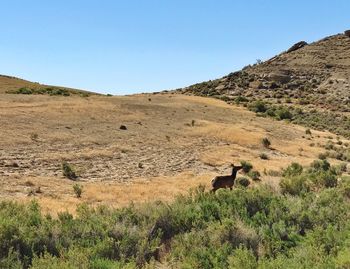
132, 46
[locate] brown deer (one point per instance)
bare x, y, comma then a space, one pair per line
225, 181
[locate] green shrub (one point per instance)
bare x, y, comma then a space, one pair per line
241, 99
294, 169
242, 181
263, 156
284, 114
258, 107
243, 259
308, 131
68, 171
295, 185
266, 142
78, 190
322, 156
254, 175
24, 91
247, 166
320, 165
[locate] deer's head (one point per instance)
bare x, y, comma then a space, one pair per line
236, 168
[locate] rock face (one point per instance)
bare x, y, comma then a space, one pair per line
297, 46
347, 33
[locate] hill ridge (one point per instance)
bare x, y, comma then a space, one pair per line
313, 78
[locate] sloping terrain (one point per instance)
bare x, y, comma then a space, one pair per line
172, 142
310, 80
15, 85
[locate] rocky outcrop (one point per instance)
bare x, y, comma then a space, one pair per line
297, 46
279, 77
347, 33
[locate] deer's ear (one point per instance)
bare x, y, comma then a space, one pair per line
232, 164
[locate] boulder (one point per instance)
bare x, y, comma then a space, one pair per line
255, 84
347, 33
297, 46
220, 87
279, 77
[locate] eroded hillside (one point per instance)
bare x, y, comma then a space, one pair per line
310, 80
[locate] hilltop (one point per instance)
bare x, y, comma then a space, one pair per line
308, 82
14, 85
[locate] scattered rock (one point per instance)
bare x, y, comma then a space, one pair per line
13, 164
297, 46
123, 127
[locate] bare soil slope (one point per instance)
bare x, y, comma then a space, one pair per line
172, 142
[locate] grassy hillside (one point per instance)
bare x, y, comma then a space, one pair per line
13, 85
305, 227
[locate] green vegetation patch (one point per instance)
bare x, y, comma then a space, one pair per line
48, 91
320, 120
306, 227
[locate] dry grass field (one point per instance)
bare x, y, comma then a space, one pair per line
172, 144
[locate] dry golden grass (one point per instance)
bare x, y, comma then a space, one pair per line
159, 156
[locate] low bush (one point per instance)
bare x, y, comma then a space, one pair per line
294, 169
320, 174
263, 156
242, 181
68, 171
246, 166
78, 190
266, 142
254, 175
258, 107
